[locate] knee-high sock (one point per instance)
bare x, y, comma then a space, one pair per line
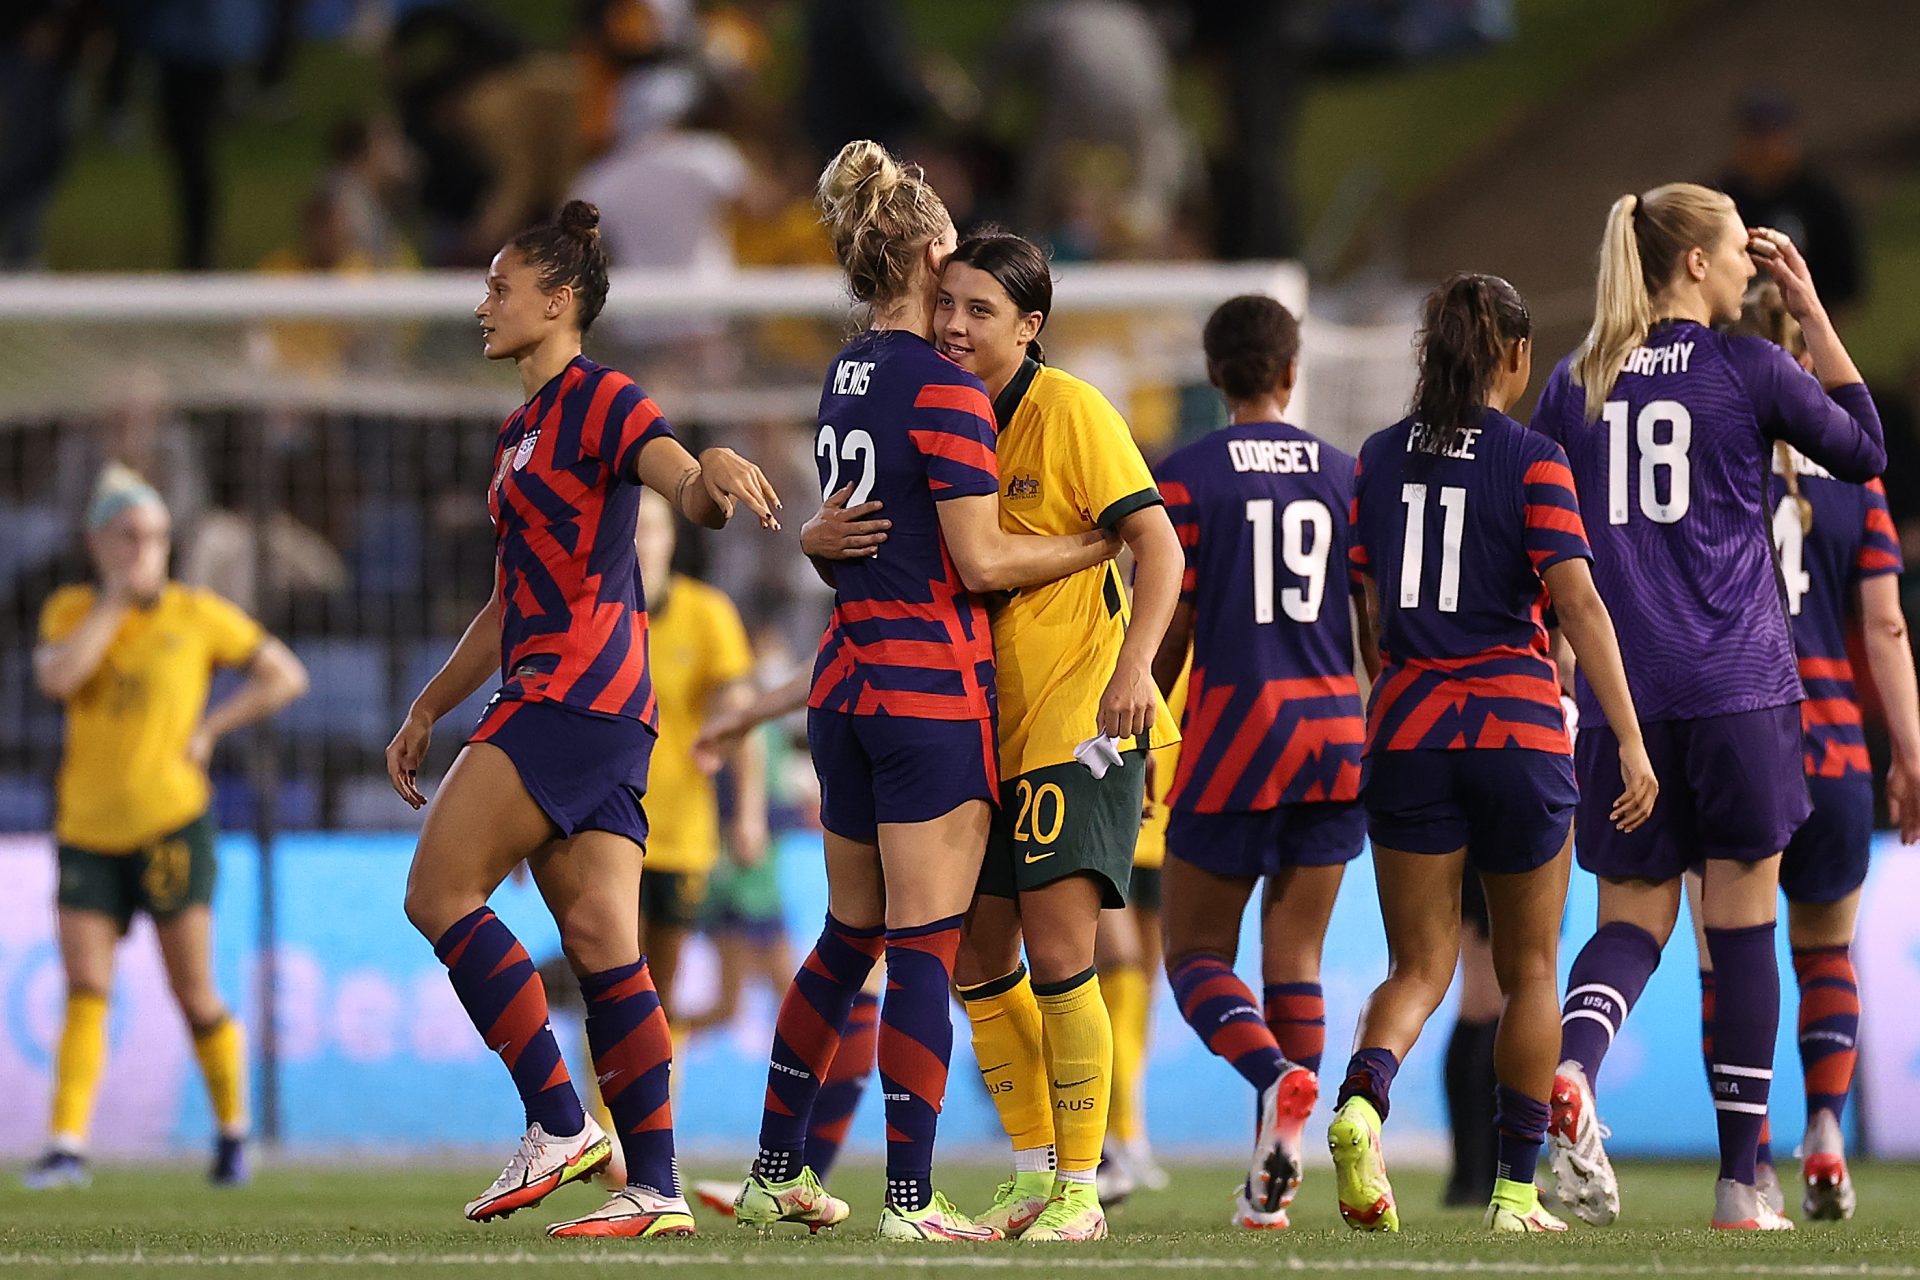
1608, 976
1128, 996
1079, 1047
1296, 1013
1746, 1017
77, 1068
502, 993
633, 1060
1763, 1153
846, 1081
1007, 1042
1829, 1025
222, 1051
806, 1038
916, 1040
1222, 1012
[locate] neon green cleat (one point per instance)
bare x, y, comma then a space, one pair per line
1017, 1203
799, 1199
1516, 1208
1360, 1170
939, 1220
1074, 1214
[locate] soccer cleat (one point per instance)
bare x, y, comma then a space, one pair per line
230, 1163
1738, 1206
1147, 1172
57, 1169
634, 1213
1359, 1168
1516, 1209
1274, 1175
1582, 1174
1072, 1216
1767, 1179
1250, 1218
716, 1195
540, 1166
1823, 1169
799, 1199
939, 1220
1017, 1204
1114, 1179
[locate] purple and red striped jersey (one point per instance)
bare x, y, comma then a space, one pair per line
1264, 514
1673, 485
564, 500
1852, 539
1457, 544
908, 427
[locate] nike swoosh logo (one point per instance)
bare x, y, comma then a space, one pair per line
1073, 1084
602, 1079
987, 1071
1033, 858
501, 1047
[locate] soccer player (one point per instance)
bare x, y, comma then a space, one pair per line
1078, 713
1840, 560
1467, 530
555, 772
901, 718
130, 660
1269, 771
701, 664
1669, 427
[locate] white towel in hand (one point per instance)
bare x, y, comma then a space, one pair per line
1099, 754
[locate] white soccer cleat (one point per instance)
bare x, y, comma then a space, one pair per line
1582, 1174
1146, 1171
1114, 1180
1767, 1179
631, 1214
1738, 1206
1248, 1217
716, 1195
1829, 1190
540, 1166
1278, 1160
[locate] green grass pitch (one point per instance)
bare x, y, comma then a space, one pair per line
392, 1222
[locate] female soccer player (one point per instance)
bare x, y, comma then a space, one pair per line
555, 771
1840, 561
1670, 427
1078, 713
1269, 774
131, 660
901, 717
1467, 529
700, 665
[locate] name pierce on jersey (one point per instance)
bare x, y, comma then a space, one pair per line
1421, 439
1275, 457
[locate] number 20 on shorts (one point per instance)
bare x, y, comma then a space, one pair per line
1042, 811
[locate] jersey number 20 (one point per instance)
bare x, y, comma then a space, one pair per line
857, 448
1306, 540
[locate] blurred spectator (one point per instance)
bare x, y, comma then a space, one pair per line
862, 78
1771, 182
40, 46
637, 68
665, 197
370, 179
1253, 50
776, 224
1102, 80
143, 430
195, 45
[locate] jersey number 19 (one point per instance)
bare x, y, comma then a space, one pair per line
1306, 540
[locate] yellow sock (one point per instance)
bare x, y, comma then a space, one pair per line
1124, 988
1007, 1042
1079, 1049
222, 1051
76, 1071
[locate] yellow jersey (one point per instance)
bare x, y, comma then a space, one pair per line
125, 779
1068, 464
1151, 848
697, 646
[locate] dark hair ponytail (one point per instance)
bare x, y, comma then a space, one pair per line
1250, 341
569, 251
1465, 326
1021, 268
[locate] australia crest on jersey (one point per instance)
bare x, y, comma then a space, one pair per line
1023, 489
